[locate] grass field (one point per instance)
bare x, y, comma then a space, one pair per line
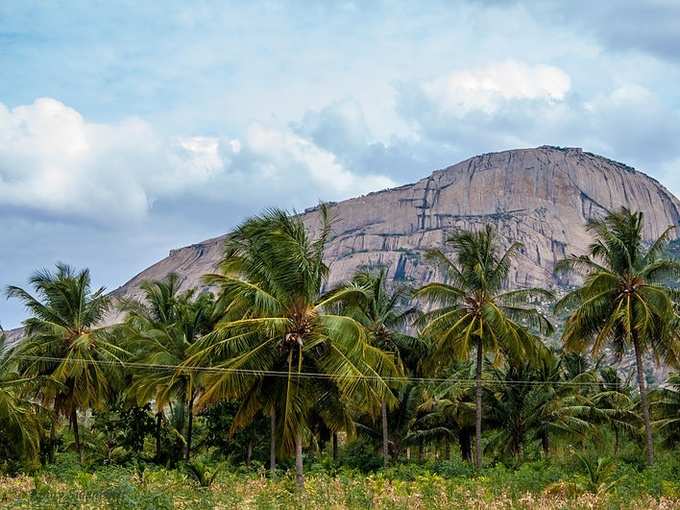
536, 485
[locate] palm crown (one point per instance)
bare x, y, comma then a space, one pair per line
277, 319
63, 342
624, 302
386, 313
160, 331
474, 304
624, 298
474, 310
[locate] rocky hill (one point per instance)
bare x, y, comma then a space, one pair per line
541, 197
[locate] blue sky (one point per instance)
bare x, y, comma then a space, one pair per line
130, 128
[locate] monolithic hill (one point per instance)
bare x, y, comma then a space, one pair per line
541, 197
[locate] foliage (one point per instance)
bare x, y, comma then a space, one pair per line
386, 313
599, 474
535, 403
624, 302
277, 319
361, 455
536, 485
218, 420
21, 420
475, 312
353, 382
666, 406
123, 426
62, 345
203, 473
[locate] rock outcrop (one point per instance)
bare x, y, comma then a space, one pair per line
541, 197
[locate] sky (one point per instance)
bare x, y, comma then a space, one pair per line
131, 128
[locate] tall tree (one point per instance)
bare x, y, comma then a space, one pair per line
474, 311
666, 407
160, 330
624, 302
614, 401
385, 313
451, 404
63, 343
20, 423
534, 402
279, 326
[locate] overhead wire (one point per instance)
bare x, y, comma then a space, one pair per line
313, 375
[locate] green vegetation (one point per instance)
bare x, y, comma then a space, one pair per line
591, 483
478, 314
271, 391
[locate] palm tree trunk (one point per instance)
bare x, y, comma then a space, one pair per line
272, 443
644, 402
299, 475
76, 434
385, 434
190, 427
53, 433
421, 452
159, 424
616, 441
249, 452
447, 449
465, 446
335, 446
478, 405
545, 443
180, 442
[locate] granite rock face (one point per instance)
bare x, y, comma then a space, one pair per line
541, 197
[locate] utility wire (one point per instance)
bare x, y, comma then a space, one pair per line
311, 375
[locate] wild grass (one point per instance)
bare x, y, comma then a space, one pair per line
445, 485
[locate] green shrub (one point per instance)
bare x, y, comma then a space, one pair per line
360, 454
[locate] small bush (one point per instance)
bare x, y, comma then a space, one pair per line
360, 454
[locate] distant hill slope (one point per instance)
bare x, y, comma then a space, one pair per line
541, 197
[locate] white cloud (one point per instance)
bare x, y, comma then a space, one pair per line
56, 163
487, 88
307, 161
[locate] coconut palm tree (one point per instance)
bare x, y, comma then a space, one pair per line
160, 330
615, 402
64, 344
402, 420
20, 423
474, 310
666, 407
147, 334
385, 313
534, 402
451, 405
624, 302
279, 326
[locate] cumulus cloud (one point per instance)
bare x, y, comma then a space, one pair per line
304, 160
341, 129
56, 163
487, 88
479, 110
